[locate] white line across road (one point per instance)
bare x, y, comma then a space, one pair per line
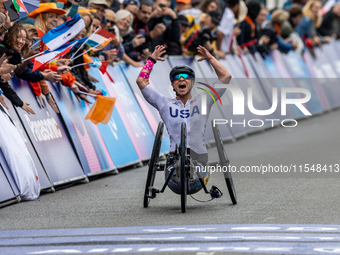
245, 238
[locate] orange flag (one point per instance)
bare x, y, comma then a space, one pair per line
101, 110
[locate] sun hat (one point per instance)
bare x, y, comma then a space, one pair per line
46, 7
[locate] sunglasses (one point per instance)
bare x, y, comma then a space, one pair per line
179, 76
112, 22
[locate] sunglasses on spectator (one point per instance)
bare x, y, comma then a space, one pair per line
182, 75
111, 22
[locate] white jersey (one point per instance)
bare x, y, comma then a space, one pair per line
173, 112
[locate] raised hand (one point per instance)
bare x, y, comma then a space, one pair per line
158, 52
31, 52
80, 86
64, 69
138, 40
63, 62
51, 76
6, 68
203, 51
3, 58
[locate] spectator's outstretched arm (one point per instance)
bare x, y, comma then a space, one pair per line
11, 94
130, 61
222, 73
143, 77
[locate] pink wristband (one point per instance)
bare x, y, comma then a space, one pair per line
144, 75
148, 66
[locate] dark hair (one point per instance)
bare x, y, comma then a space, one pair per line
145, 2
205, 3
232, 3
63, 17
12, 35
295, 10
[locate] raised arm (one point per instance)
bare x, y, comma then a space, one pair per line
143, 77
222, 73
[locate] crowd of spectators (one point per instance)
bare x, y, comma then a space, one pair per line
221, 26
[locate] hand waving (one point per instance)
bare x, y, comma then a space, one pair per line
203, 51
158, 52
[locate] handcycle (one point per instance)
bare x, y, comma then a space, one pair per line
185, 177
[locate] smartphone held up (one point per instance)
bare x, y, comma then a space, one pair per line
12, 11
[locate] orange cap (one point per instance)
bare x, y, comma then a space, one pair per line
184, 1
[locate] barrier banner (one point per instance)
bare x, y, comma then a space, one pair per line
281, 81
151, 114
257, 68
9, 190
225, 131
249, 80
258, 83
48, 138
247, 122
90, 153
333, 56
325, 73
298, 70
43, 179
132, 116
114, 134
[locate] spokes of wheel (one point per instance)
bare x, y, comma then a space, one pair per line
152, 163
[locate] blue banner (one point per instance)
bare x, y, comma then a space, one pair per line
150, 113
87, 146
114, 134
298, 70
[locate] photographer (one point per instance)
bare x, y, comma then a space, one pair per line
205, 36
164, 18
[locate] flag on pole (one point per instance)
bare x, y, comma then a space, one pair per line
101, 110
63, 33
103, 67
19, 5
99, 37
48, 56
101, 46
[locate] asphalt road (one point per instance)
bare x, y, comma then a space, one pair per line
278, 198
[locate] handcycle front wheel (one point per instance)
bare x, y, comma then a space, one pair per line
224, 161
184, 179
153, 160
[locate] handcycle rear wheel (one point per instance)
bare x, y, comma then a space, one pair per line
184, 179
224, 161
153, 160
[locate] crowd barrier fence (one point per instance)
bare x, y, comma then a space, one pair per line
66, 148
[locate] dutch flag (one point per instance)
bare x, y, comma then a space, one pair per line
100, 36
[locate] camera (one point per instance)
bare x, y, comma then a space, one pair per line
112, 30
200, 38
